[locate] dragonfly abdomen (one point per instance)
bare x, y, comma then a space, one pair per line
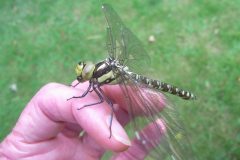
162, 86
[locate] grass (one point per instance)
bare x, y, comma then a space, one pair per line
197, 46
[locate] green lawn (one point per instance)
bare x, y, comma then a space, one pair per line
197, 47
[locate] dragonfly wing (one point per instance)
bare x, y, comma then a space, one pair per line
173, 143
125, 47
122, 44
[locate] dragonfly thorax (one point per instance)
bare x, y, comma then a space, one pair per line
100, 73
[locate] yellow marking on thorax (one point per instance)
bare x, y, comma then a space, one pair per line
106, 76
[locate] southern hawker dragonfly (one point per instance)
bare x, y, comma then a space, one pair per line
127, 55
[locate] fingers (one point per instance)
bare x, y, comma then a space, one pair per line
49, 112
116, 94
145, 141
96, 121
46, 114
121, 114
101, 117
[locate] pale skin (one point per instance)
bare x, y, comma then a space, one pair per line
49, 127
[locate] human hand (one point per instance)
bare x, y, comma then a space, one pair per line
49, 127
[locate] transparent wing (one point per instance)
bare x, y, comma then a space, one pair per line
174, 144
125, 47
122, 44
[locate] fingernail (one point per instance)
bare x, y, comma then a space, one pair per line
118, 132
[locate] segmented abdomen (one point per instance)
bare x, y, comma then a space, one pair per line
155, 84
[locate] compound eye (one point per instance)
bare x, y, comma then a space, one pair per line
79, 69
89, 68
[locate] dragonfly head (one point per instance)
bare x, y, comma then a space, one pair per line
84, 71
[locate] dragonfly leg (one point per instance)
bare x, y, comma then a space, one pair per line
90, 90
99, 96
111, 106
102, 97
74, 85
84, 94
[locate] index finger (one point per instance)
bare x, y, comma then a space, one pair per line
48, 112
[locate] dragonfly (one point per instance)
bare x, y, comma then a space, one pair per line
126, 55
